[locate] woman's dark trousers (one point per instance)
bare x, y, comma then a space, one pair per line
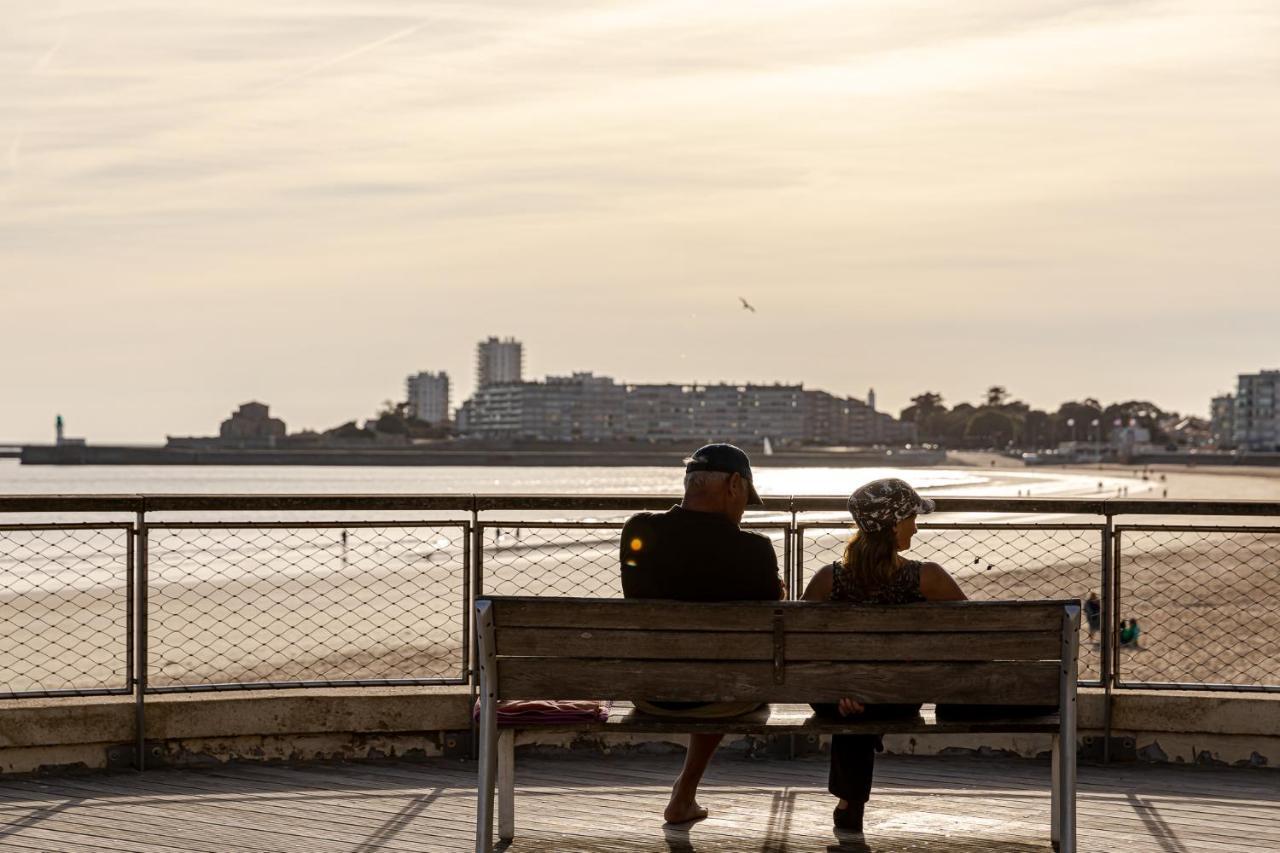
853, 757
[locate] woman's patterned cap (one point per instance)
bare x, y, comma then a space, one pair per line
881, 504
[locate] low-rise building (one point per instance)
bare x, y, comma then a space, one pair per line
585, 407
251, 425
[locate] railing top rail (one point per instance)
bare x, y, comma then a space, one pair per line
561, 502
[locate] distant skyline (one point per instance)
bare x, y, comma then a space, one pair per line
304, 204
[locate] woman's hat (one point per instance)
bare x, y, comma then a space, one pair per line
881, 504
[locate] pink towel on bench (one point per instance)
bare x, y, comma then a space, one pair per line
547, 712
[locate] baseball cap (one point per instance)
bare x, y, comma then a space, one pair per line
726, 458
881, 504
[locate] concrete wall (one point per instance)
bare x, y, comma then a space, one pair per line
89, 734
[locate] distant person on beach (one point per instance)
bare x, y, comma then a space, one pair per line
1129, 632
1093, 613
696, 551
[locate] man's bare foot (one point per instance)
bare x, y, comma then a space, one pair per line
683, 807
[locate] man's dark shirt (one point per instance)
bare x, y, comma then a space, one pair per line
696, 556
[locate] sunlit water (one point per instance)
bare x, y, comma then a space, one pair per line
88, 479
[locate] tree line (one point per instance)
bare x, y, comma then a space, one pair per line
1003, 422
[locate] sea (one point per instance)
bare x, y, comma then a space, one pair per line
518, 480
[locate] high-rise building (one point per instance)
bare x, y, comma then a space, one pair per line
428, 396
1257, 411
499, 362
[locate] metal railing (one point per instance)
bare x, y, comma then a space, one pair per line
135, 601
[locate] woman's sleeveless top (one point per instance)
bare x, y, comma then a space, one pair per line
904, 588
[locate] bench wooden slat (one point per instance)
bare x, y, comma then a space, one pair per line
996, 616
932, 646
758, 645
789, 719
1012, 682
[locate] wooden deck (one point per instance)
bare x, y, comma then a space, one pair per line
610, 805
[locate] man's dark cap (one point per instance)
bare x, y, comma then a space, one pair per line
726, 458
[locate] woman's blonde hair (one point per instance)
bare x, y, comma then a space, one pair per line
871, 559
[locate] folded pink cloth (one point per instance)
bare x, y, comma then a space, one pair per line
546, 712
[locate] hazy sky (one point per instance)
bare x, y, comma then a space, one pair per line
208, 201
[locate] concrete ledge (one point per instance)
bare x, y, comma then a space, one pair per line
198, 728
201, 728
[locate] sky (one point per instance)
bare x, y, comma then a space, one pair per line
212, 201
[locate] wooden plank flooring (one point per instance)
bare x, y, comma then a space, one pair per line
610, 804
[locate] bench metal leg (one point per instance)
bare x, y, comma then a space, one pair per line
1064, 776
507, 784
1055, 800
1064, 818
488, 732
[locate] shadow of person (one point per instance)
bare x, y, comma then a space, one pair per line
678, 840
850, 844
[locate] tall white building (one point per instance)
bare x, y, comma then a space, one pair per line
1257, 411
428, 395
499, 362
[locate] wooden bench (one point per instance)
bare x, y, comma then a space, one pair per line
972, 652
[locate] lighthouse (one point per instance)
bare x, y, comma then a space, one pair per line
57, 428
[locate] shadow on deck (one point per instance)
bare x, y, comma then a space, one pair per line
611, 805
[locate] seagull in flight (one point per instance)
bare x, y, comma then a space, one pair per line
747, 306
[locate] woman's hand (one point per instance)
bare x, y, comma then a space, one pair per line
850, 706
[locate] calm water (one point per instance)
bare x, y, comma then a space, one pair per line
42, 479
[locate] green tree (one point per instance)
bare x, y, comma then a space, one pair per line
925, 412
994, 427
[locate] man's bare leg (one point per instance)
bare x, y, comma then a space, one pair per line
684, 796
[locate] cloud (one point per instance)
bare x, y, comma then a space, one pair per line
507, 163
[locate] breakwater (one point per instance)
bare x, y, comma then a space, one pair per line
461, 456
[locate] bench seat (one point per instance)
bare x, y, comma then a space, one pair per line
795, 719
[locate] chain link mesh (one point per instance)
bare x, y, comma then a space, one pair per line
1205, 603
263, 604
64, 610
998, 562
258, 604
569, 560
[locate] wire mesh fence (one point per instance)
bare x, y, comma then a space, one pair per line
1204, 600
65, 606
245, 604
292, 605
573, 559
1010, 562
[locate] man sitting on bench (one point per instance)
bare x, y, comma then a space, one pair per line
696, 551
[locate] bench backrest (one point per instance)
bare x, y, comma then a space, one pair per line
998, 652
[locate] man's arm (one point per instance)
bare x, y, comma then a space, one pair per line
630, 545
761, 564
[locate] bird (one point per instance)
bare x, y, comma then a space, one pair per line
747, 306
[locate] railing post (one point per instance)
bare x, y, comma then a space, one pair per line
1109, 609
475, 555
140, 644
791, 572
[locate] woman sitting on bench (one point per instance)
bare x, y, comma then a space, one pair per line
873, 572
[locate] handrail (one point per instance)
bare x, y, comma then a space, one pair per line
144, 503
